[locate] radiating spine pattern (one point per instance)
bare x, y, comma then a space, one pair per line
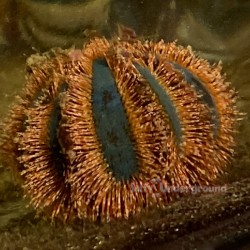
96, 133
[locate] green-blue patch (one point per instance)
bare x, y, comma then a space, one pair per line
111, 123
53, 125
165, 101
201, 89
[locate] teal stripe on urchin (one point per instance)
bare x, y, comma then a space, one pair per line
201, 89
111, 123
164, 99
54, 126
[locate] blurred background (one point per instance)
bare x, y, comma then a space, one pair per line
218, 30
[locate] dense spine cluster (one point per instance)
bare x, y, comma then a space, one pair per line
93, 125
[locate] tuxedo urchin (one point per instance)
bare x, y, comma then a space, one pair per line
93, 125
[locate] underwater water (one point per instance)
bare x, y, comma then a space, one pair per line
216, 30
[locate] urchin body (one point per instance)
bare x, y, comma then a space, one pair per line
93, 125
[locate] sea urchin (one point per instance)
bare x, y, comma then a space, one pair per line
93, 125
